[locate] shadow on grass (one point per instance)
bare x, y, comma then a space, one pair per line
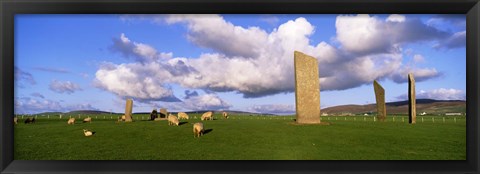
182, 123
207, 131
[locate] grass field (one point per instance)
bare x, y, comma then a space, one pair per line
243, 138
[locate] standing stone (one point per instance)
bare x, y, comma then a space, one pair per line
380, 98
307, 89
163, 113
412, 110
128, 110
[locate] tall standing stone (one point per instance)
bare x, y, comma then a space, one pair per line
412, 110
128, 110
380, 98
307, 89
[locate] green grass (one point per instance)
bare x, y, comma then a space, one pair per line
243, 138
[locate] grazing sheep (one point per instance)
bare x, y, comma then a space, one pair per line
121, 118
197, 129
154, 114
88, 119
182, 115
29, 120
207, 116
71, 121
172, 120
87, 133
225, 115
15, 120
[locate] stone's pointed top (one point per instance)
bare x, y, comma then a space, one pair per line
377, 85
410, 77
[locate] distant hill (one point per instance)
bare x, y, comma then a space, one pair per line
429, 106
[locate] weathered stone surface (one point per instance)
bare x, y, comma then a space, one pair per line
307, 89
412, 110
163, 113
128, 110
380, 98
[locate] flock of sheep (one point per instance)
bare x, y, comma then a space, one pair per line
198, 128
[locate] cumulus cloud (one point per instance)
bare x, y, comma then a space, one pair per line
417, 58
257, 63
205, 102
139, 51
401, 76
365, 34
31, 106
64, 87
438, 94
23, 78
143, 82
395, 18
273, 109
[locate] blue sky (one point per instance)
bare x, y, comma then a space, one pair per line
234, 62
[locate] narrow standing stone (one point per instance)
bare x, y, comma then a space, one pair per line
128, 110
307, 89
380, 98
412, 114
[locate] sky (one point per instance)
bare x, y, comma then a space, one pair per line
231, 62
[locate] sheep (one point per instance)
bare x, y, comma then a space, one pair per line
87, 132
225, 115
88, 119
172, 120
121, 118
197, 129
154, 114
29, 120
207, 116
15, 120
71, 121
182, 115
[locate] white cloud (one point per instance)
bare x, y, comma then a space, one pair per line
365, 34
396, 18
64, 87
438, 94
31, 106
23, 78
141, 52
419, 74
256, 63
273, 108
417, 58
143, 82
205, 102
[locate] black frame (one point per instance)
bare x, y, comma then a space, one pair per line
8, 8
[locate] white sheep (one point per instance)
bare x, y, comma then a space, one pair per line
88, 119
197, 129
225, 115
207, 116
121, 118
172, 120
182, 115
71, 121
87, 133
